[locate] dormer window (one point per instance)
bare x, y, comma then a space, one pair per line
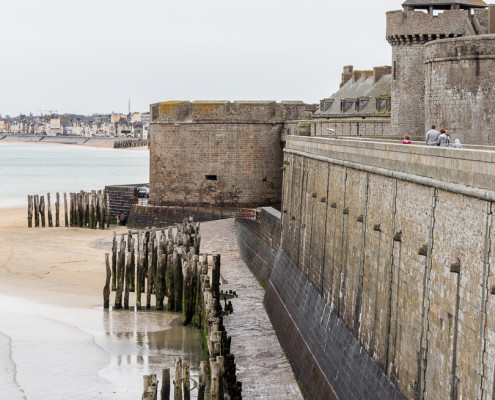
325, 104
346, 104
361, 103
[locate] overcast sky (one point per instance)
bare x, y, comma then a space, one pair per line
88, 56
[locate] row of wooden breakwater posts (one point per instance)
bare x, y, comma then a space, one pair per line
84, 210
168, 262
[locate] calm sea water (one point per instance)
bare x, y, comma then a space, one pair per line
35, 168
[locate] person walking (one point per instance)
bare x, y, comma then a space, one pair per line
432, 136
443, 140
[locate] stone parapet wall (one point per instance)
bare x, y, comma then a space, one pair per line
470, 171
142, 216
397, 245
227, 112
462, 71
352, 127
417, 24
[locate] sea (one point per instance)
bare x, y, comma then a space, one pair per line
54, 352
39, 168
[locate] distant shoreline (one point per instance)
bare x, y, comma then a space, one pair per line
74, 140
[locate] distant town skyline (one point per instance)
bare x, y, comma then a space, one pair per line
91, 57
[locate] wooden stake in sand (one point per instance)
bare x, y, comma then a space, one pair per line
65, 210
127, 281
150, 387
57, 210
114, 262
50, 219
42, 211
106, 289
36, 211
30, 211
165, 392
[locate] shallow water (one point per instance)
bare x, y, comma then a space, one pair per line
34, 168
50, 352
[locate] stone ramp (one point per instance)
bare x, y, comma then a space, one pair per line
262, 367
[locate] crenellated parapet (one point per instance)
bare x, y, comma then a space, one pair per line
227, 112
406, 27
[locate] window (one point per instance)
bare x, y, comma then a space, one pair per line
211, 177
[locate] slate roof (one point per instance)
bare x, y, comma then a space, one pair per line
359, 90
427, 3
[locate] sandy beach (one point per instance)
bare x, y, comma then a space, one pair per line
106, 144
56, 340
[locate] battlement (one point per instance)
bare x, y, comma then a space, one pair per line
227, 112
416, 26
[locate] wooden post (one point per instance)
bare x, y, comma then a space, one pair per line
202, 380
106, 289
42, 211
159, 290
170, 283
120, 279
178, 379
150, 387
50, 219
178, 279
107, 209
186, 381
132, 272
215, 379
114, 262
140, 277
165, 392
127, 281
72, 204
221, 373
36, 211
149, 283
57, 210
30, 211
188, 293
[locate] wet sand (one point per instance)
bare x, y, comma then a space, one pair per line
103, 144
56, 341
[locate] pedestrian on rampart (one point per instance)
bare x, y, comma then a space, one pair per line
443, 140
432, 136
457, 144
407, 140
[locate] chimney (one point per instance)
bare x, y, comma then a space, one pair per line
491, 18
346, 75
378, 72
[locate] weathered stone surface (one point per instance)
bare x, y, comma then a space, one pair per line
262, 367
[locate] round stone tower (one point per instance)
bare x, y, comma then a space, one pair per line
419, 22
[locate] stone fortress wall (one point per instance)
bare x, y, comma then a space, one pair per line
218, 152
460, 89
383, 284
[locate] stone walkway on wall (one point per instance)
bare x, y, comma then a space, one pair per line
262, 366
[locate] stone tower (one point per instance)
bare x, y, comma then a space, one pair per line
419, 22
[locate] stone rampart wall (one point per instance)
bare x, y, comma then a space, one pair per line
224, 164
460, 87
397, 245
